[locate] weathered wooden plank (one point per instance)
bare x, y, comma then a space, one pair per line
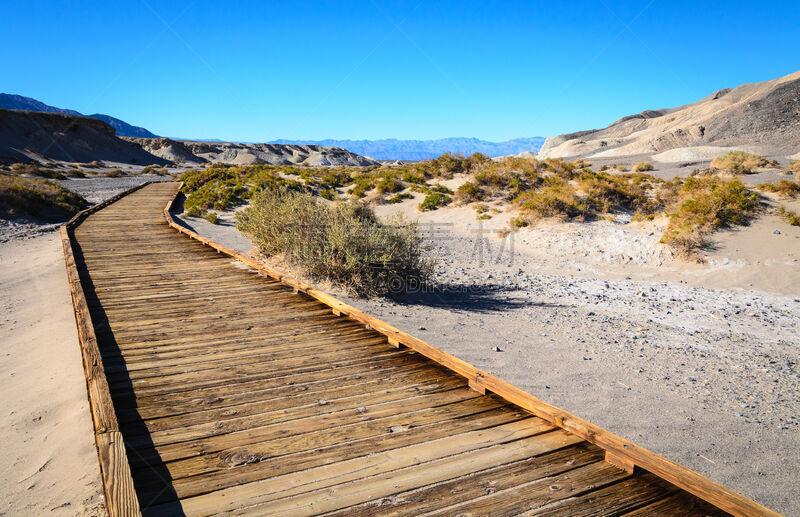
310, 480
375, 487
298, 460
478, 484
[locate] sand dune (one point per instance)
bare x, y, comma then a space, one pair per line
762, 117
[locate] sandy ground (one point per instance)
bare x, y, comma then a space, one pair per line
48, 463
697, 362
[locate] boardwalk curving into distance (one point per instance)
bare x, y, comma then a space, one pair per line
217, 390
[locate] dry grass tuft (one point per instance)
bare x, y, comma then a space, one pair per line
790, 216
785, 188
643, 167
704, 204
740, 162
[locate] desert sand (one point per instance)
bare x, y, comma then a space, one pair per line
48, 463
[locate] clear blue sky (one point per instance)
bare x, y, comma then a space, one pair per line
259, 70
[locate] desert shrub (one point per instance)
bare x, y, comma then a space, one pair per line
481, 208
621, 168
643, 167
434, 200
740, 162
328, 193
476, 161
75, 173
706, 203
446, 165
518, 222
151, 169
554, 200
361, 187
38, 199
560, 167
790, 216
389, 185
468, 192
114, 173
212, 218
399, 197
606, 192
414, 175
344, 243
785, 188
794, 167
31, 169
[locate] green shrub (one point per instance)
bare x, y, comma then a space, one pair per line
434, 200
518, 222
706, 203
212, 218
398, 198
328, 193
344, 243
740, 162
643, 167
37, 198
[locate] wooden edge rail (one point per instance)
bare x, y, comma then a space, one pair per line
118, 486
619, 451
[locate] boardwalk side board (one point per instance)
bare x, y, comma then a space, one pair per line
121, 499
618, 449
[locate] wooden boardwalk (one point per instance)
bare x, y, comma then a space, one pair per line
233, 394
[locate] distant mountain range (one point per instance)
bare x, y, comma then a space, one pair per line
18, 102
386, 149
393, 149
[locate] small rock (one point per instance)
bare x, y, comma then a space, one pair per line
496, 349
776, 232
